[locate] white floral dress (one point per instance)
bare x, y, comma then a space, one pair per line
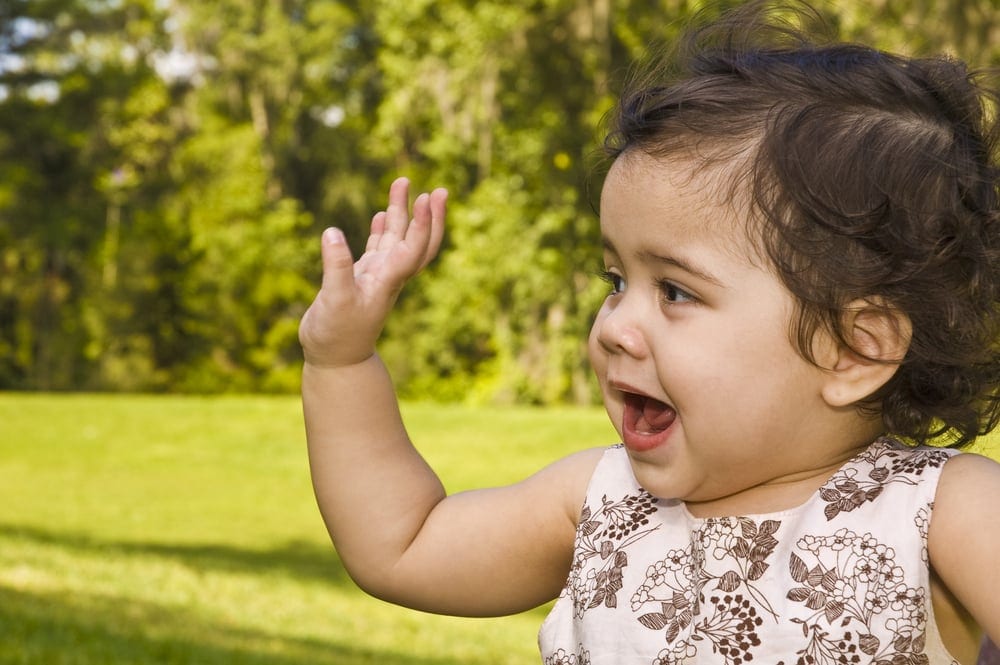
843, 578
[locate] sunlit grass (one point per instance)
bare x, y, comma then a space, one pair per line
183, 530
141, 529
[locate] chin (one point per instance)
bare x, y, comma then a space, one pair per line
656, 481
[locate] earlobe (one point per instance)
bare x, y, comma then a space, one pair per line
877, 339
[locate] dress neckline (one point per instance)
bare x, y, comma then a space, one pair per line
843, 489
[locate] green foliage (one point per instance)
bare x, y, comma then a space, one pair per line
159, 225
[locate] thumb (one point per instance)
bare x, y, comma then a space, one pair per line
338, 264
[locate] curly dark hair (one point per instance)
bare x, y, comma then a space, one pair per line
872, 176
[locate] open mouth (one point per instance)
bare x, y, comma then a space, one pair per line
645, 421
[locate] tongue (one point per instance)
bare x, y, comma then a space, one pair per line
656, 416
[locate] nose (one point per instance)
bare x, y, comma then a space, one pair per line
617, 329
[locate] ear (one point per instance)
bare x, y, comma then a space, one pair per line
877, 336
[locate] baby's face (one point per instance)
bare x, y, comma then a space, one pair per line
692, 346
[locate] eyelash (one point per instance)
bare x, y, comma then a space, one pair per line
672, 294
612, 279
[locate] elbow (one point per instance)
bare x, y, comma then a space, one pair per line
373, 579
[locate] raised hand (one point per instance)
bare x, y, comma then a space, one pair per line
342, 324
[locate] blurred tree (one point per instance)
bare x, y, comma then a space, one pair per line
968, 29
498, 103
279, 101
64, 68
503, 103
166, 167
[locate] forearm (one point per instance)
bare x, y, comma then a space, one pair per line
373, 488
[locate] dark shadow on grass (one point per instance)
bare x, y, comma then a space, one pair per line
296, 560
39, 629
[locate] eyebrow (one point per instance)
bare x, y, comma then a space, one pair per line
650, 257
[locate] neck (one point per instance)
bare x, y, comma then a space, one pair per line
782, 493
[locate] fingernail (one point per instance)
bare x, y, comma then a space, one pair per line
333, 236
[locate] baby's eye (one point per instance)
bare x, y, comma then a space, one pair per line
616, 281
673, 294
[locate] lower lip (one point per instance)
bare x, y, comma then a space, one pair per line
641, 442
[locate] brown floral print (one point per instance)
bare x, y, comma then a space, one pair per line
562, 657
604, 536
827, 583
878, 466
726, 556
850, 582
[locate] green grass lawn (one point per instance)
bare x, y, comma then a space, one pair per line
141, 529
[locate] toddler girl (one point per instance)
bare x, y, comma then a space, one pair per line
801, 245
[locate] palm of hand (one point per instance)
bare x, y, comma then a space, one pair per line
342, 324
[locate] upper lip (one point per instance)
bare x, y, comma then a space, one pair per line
623, 387
626, 388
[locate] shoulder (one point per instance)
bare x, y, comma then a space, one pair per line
971, 479
567, 480
964, 535
968, 494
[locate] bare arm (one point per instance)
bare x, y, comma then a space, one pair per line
964, 537
477, 553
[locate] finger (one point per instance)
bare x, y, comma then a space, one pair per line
338, 264
438, 209
375, 234
411, 253
424, 235
397, 216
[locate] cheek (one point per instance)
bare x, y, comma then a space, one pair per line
599, 365
596, 353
